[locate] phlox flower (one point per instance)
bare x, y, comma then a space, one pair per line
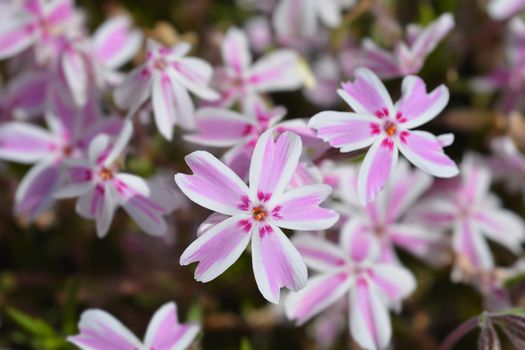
407, 57
101, 187
383, 222
387, 128
472, 213
166, 77
241, 80
503, 9
219, 127
101, 331
351, 270
37, 24
69, 133
256, 213
508, 78
292, 19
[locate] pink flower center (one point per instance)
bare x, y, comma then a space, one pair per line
259, 213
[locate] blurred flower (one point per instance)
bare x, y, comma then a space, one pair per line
239, 80
408, 57
509, 78
259, 33
257, 213
382, 221
224, 128
101, 188
351, 269
166, 77
70, 132
387, 127
37, 24
503, 9
100, 330
299, 18
472, 212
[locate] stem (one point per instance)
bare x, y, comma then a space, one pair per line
451, 340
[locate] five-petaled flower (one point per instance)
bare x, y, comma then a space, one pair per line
407, 57
101, 331
70, 132
351, 269
383, 222
472, 212
387, 128
101, 188
257, 214
240, 80
166, 77
218, 127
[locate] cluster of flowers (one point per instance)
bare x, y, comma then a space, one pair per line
273, 174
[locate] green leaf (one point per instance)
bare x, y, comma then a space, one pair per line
245, 344
35, 326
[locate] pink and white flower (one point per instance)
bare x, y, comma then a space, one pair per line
387, 128
241, 80
382, 222
217, 127
37, 24
503, 9
300, 18
70, 131
101, 331
508, 78
407, 57
472, 213
256, 214
101, 188
351, 270
23, 98
166, 77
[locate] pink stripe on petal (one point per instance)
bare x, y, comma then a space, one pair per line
320, 292
276, 263
358, 240
366, 94
212, 185
299, 209
348, 131
25, 143
395, 281
236, 51
278, 71
218, 248
221, 127
423, 150
35, 192
416, 107
376, 169
369, 320
319, 254
15, 36
469, 244
273, 163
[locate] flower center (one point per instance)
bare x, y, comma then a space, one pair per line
259, 213
106, 174
160, 64
390, 128
68, 151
